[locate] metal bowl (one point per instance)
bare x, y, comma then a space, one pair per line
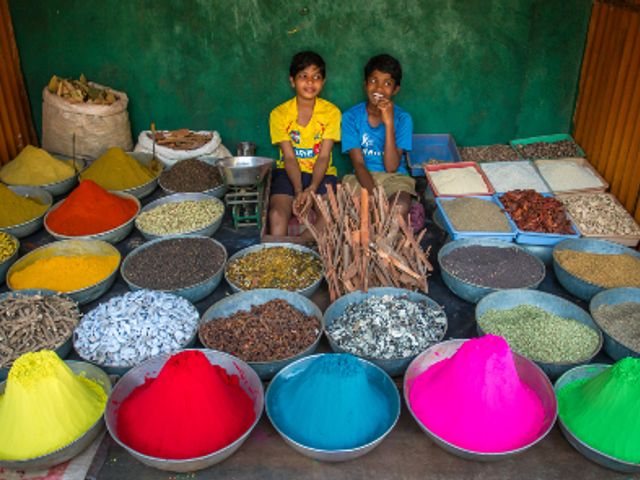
27, 228
63, 186
7, 262
217, 192
394, 366
248, 380
373, 372
112, 236
307, 291
508, 299
193, 293
601, 458
70, 248
613, 296
528, 372
78, 445
575, 285
205, 231
245, 300
469, 291
244, 171
145, 189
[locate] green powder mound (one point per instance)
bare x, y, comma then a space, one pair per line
603, 411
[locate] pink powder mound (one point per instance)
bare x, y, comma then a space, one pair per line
476, 400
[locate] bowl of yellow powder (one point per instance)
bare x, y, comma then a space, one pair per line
35, 167
135, 173
82, 269
9, 246
50, 410
22, 209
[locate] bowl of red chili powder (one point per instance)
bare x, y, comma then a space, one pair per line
187, 411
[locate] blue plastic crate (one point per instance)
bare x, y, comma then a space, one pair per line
458, 234
438, 146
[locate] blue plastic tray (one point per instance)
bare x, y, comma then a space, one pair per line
439, 146
457, 234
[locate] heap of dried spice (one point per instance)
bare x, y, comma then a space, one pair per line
81, 91
182, 139
558, 149
275, 267
604, 270
488, 153
533, 212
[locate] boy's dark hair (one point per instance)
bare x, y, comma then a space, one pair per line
384, 63
302, 60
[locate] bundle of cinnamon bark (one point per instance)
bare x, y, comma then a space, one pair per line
366, 243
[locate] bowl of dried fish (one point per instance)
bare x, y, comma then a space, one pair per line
40, 196
387, 326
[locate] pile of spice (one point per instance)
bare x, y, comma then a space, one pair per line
90, 209
533, 212
622, 322
175, 263
16, 209
64, 273
80, 91
540, 335
488, 153
275, 267
35, 166
130, 328
494, 267
190, 175
174, 218
604, 270
476, 391
8, 247
29, 323
603, 411
600, 214
458, 181
45, 406
468, 214
115, 170
568, 174
509, 176
331, 405
559, 149
274, 330
388, 327
201, 407
182, 139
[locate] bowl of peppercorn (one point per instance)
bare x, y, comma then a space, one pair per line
617, 312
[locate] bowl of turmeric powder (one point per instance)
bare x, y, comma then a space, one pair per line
22, 209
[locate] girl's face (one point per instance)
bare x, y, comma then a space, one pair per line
308, 83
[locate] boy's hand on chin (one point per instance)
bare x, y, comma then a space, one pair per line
385, 106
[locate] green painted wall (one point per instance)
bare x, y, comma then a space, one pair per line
484, 70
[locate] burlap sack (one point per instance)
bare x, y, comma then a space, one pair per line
97, 127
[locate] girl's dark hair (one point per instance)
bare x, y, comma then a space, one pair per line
302, 60
384, 63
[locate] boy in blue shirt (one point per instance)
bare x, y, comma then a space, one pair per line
376, 133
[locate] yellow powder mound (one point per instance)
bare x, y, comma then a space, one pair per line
35, 166
15, 209
115, 170
45, 406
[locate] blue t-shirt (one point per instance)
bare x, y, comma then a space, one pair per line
357, 133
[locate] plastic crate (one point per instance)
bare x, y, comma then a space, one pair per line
544, 138
457, 234
445, 166
425, 147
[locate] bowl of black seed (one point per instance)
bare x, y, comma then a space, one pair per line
189, 266
267, 328
385, 325
474, 268
193, 175
617, 312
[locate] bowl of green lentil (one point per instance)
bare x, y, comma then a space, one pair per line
586, 266
9, 247
287, 266
195, 214
617, 312
553, 332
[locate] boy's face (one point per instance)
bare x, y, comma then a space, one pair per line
308, 83
380, 85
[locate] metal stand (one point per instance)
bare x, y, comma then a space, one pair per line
246, 205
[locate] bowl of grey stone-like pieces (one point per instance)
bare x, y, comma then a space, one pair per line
385, 325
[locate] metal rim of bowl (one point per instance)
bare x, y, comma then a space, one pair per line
197, 196
150, 243
45, 186
241, 438
428, 299
599, 324
262, 246
55, 244
540, 437
169, 191
43, 192
367, 445
62, 236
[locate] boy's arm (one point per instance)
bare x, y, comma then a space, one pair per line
291, 167
362, 174
320, 167
392, 154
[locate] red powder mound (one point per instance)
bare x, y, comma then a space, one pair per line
191, 409
90, 209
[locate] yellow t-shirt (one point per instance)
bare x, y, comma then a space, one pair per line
324, 124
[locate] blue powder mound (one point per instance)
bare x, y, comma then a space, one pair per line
331, 405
